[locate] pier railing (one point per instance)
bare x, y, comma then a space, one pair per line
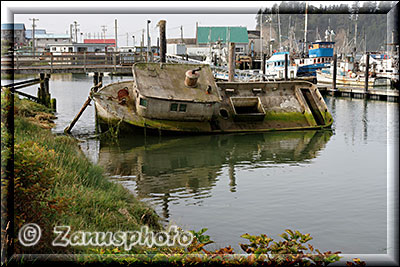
85, 61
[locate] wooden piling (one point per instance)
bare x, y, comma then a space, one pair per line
366, 74
286, 67
41, 90
101, 74
231, 63
264, 59
95, 78
334, 71
46, 89
53, 104
163, 41
87, 102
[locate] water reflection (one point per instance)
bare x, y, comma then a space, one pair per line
167, 168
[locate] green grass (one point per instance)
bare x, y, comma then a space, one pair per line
93, 202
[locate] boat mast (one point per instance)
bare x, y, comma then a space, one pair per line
279, 29
305, 30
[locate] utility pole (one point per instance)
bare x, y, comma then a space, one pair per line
148, 40
33, 34
104, 32
182, 33
305, 30
116, 36
127, 39
270, 35
70, 32
142, 43
133, 41
261, 39
76, 31
279, 29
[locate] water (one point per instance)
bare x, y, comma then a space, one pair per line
332, 184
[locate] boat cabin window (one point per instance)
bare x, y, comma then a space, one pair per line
176, 107
182, 108
173, 107
143, 102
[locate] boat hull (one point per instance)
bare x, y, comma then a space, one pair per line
278, 106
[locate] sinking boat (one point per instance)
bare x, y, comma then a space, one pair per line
185, 98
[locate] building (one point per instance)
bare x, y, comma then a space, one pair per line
14, 32
206, 35
42, 41
28, 33
111, 44
76, 47
254, 42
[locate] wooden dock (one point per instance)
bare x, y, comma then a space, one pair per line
81, 62
357, 92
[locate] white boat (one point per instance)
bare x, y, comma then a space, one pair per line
275, 66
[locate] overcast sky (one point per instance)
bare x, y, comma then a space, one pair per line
132, 16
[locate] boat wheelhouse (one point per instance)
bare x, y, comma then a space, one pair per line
320, 55
275, 66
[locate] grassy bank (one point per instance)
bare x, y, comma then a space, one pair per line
57, 185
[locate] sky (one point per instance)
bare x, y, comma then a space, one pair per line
132, 16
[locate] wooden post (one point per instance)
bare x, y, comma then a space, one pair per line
115, 62
264, 66
46, 90
334, 71
163, 41
84, 61
366, 74
41, 89
263, 63
7, 176
95, 78
286, 67
87, 102
231, 62
16, 63
101, 77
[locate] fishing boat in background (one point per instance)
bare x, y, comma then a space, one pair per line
275, 66
184, 98
320, 55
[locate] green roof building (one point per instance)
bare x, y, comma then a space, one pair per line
237, 35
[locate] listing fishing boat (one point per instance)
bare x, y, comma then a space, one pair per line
184, 98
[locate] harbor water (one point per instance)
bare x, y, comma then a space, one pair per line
331, 184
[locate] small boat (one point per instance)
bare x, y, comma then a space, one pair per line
275, 66
184, 98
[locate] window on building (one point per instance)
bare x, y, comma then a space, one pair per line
55, 40
182, 108
173, 107
143, 102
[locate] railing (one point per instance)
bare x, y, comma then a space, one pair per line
89, 61
55, 59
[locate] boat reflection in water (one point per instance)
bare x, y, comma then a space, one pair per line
164, 169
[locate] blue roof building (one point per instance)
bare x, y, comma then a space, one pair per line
28, 33
12, 26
